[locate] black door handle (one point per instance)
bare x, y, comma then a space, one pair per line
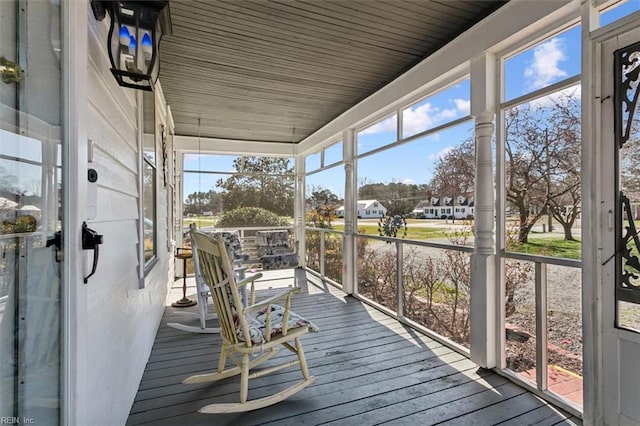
91, 240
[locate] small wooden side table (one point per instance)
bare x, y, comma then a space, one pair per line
184, 254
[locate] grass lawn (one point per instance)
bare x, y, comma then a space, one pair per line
556, 247
200, 221
412, 233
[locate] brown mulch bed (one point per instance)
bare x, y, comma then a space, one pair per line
564, 341
564, 333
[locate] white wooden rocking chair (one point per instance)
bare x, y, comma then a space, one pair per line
259, 327
203, 294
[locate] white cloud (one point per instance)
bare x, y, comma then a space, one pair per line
427, 115
408, 181
440, 154
557, 97
420, 118
386, 125
544, 68
463, 105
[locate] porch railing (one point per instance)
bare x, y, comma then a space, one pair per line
423, 284
543, 323
323, 255
404, 278
247, 239
427, 286
247, 233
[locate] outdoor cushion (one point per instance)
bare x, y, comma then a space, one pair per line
279, 261
232, 242
275, 238
256, 322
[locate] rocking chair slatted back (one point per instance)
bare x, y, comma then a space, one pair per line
265, 323
217, 271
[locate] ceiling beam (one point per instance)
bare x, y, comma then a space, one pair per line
204, 145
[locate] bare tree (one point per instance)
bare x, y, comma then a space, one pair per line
454, 173
629, 158
543, 161
565, 194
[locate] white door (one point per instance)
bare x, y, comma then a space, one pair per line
30, 213
620, 195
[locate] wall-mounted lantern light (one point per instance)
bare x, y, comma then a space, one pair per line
134, 39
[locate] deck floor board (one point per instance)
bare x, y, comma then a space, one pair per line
370, 369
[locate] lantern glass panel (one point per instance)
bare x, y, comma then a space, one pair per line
134, 41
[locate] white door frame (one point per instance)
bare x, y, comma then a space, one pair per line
613, 392
74, 312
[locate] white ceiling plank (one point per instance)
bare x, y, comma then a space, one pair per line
279, 70
515, 17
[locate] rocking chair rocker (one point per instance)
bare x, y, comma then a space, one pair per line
258, 327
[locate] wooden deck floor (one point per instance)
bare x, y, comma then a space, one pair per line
370, 370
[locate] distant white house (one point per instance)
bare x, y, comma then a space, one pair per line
366, 209
7, 208
445, 208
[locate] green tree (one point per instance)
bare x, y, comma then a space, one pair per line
320, 206
262, 182
318, 196
250, 216
398, 198
199, 202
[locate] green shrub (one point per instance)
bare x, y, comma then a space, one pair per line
251, 216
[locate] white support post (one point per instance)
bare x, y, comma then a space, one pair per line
350, 213
179, 200
483, 274
298, 208
592, 295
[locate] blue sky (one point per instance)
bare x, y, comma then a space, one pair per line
555, 59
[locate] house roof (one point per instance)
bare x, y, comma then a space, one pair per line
364, 204
6, 204
279, 70
447, 201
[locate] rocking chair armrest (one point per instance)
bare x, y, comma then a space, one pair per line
249, 279
269, 301
252, 289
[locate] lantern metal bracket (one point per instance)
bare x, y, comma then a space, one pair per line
100, 8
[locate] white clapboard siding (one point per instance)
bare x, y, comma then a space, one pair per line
122, 317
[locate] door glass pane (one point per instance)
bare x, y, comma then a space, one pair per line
30, 214
520, 318
149, 129
564, 332
627, 130
333, 154
149, 197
